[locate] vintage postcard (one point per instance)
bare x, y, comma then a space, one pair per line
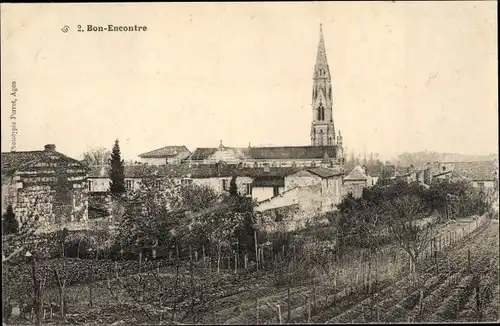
249, 163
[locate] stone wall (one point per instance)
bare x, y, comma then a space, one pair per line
56, 193
354, 187
301, 178
306, 199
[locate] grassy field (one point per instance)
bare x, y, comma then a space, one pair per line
438, 292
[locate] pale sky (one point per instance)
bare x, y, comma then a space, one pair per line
405, 76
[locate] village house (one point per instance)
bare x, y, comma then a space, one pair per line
45, 183
217, 176
482, 174
308, 192
355, 181
313, 189
165, 155
421, 175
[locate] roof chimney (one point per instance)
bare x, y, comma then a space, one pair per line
50, 147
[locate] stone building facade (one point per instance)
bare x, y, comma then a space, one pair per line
46, 184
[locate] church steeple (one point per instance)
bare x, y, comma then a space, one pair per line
322, 128
321, 69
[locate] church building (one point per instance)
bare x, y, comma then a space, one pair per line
325, 148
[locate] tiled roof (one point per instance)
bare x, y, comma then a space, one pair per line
99, 171
17, 160
272, 171
475, 171
442, 173
356, 174
202, 153
325, 173
166, 151
268, 181
184, 170
276, 153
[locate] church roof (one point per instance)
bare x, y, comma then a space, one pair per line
271, 153
166, 151
292, 152
205, 152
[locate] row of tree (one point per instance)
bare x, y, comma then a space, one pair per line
405, 213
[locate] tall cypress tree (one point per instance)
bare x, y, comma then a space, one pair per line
9, 222
233, 188
117, 172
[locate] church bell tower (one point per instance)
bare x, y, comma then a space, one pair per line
322, 127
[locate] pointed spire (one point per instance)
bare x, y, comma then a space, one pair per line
321, 68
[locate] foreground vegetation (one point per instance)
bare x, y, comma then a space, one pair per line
215, 265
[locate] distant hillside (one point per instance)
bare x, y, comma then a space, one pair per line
421, 158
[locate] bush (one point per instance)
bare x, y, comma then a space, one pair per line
77, 248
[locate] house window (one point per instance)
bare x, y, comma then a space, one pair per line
248, 188
224, 184
480, 184
313, 164
90, 185
255, 165
157, 183
276, 191
129, 184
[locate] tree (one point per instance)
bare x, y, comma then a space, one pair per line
150, 212
406, 225
233, 188
117, 171
9, 222
96, 156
